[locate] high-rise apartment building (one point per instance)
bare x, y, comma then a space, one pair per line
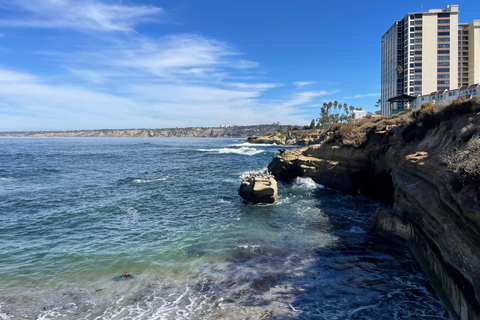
426, 52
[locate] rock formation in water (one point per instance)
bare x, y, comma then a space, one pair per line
302, 137
425, 166
259, 188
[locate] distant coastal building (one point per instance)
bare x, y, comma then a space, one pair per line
467, 91
358, 114
428, 52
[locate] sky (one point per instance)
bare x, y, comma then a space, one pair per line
113, 64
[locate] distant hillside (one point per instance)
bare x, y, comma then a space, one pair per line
215, 132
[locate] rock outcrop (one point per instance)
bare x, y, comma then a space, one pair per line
259, 188
429, 208
302, 138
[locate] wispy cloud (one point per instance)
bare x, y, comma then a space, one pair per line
130, 80
363, 96
89, 15
48, 106
303, 83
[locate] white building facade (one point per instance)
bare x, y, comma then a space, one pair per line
428, 52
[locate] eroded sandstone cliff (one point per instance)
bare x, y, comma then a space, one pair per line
429, 206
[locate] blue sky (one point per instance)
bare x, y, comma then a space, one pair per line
93, 64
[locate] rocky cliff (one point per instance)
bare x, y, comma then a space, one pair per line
215, 132
424, 166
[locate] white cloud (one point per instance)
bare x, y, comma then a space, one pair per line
303, 83
29, 103
89, 15
127, 80
363, 96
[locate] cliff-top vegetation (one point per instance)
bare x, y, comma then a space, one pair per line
459, 122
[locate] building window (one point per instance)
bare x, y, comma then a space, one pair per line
444, 76
443, 27
412, 29
443, 70
444, 45
418, 88
443, 51
418, 34
412, 23
444, 15
418, 40
443, 39
418, 58
443, 88
418, 52
418, 82
444, 58
418, 64
418, 46
443, 63
412, 40
418, 28
443, 82
418, 76
443, 33
411, 65
444, 21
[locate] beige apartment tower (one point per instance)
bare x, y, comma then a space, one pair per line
427, 52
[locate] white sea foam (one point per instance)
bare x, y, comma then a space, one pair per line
242, 151
307, 183
248, 144
149, 180
6, 179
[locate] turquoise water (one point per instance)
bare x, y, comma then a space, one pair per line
77, 213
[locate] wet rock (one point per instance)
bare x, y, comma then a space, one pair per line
259, 189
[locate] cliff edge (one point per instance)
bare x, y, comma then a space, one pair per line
425, 166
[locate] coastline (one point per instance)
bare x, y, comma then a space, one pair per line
428, 207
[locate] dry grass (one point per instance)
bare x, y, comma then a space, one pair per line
465, 161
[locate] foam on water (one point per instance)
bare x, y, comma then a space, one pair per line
307, 183
246, 151
8, 179
149, 180
248, 144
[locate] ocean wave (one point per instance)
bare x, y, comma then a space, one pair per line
307, 183
246, 151
149, 180
9, 179
248, 144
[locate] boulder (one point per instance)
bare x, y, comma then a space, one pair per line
258, 189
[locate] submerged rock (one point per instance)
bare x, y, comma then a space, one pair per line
259, 188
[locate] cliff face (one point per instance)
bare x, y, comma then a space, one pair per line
216, 132
432, 209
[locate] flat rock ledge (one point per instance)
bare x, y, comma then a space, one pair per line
258, 188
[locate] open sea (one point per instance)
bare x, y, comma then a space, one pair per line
77, 213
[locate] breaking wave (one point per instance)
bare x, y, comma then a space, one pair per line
246, 151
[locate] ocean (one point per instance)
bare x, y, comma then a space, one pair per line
77, 213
